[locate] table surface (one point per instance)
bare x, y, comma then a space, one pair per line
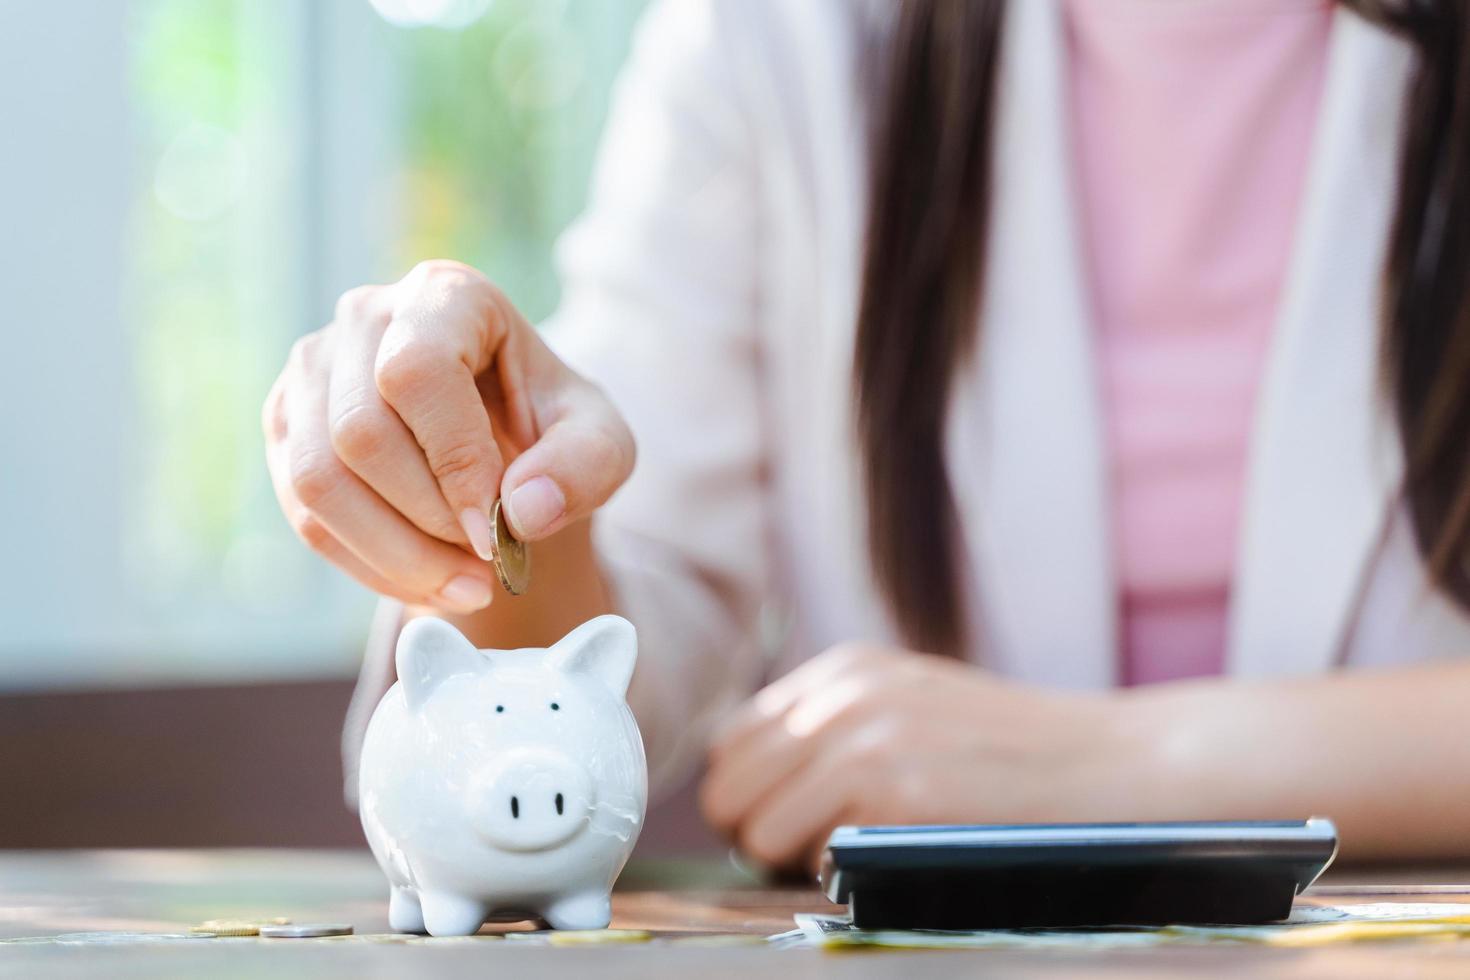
47, 893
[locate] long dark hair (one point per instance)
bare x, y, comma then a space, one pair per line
928, 198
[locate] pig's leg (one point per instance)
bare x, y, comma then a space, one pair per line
584, 910
451, 915
404, 913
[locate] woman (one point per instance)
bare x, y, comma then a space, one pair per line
996, 360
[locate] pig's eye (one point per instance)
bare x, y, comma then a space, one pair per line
500, 709
555, 706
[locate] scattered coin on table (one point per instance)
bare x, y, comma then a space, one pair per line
305, 930
512, 557
235, 927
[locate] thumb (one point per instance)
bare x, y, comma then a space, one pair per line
584, 455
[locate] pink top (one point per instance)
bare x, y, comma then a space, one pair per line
1192, 121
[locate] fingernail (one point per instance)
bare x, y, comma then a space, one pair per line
534, 505
467, 592
477, 528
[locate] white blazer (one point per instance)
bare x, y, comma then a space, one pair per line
712, 289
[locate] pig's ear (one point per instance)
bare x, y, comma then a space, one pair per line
429, 651
605, 647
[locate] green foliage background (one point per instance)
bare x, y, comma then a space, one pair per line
494, 130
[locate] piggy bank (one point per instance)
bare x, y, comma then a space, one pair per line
504, 784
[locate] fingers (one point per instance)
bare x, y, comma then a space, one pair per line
307, 528
386, 443
737, 782
777, 780
448, 324
779, 799
415, 564
367, 435
771, 703
824, 720
318, 538
799, 816
585, 453
451, 345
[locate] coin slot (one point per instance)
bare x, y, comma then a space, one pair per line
515, 808
558, 804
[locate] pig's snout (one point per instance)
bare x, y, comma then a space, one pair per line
532, 800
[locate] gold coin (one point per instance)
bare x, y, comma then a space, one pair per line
512, 557
598, 937
235, 927
227, 927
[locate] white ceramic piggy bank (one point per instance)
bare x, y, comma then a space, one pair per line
504, 784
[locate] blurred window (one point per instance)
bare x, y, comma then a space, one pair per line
186, 186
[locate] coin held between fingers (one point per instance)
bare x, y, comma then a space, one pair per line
512, 557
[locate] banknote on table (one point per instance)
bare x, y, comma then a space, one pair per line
1312, 925
1308, 925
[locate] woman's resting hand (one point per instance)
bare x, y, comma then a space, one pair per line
867, 735
392, 431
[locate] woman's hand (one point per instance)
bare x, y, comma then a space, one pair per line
392, 431
867, 735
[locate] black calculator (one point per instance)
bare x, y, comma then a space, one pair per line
1058, 875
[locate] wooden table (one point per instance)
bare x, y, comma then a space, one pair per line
47, 893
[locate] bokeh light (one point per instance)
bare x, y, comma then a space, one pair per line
201, 174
